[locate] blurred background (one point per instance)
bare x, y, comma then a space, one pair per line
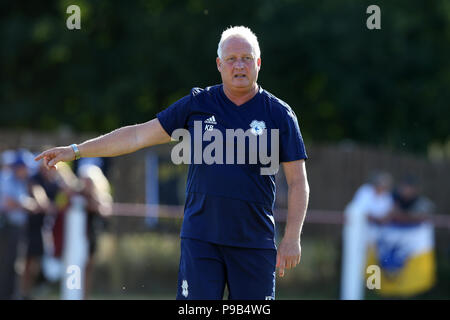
367, 101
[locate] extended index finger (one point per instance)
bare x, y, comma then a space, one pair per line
50, 153
46, 157
40, 156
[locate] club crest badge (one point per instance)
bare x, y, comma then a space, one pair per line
257, 127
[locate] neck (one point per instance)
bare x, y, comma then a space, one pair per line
240, 97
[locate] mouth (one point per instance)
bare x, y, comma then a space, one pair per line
239, 76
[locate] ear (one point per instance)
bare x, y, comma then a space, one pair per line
258, 63
219, 64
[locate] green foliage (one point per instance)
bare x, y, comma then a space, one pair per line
132, 59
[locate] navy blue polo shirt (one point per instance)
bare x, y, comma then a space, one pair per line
230, 202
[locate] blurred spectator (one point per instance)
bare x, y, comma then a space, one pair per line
404, 246
68, 185
409, 205
43, 187
371, 201
96, 189
381, 202
7, 158
374, 200
16, 203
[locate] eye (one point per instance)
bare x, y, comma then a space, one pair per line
230, 59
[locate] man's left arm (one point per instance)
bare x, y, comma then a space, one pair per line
289, 250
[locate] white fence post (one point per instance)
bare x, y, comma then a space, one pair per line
354, 253
75, 250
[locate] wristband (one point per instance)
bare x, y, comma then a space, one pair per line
76, 150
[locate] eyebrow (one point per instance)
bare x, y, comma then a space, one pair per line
234, 55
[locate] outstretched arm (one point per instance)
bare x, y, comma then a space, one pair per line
118, 142
289, 250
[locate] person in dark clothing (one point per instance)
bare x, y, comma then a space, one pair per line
17, 203
43, 186
410, 206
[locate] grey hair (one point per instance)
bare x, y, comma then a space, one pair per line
241, 32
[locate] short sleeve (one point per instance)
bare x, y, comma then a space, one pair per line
176, 115
291, 141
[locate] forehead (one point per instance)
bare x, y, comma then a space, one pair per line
237, 45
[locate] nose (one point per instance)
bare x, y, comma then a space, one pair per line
239, 64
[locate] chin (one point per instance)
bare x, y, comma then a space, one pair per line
241, 83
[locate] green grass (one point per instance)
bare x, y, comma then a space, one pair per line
144, 266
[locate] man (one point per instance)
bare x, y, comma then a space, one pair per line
43, 187
6, 285
17, 204
371, 201
227, 237
410, 206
